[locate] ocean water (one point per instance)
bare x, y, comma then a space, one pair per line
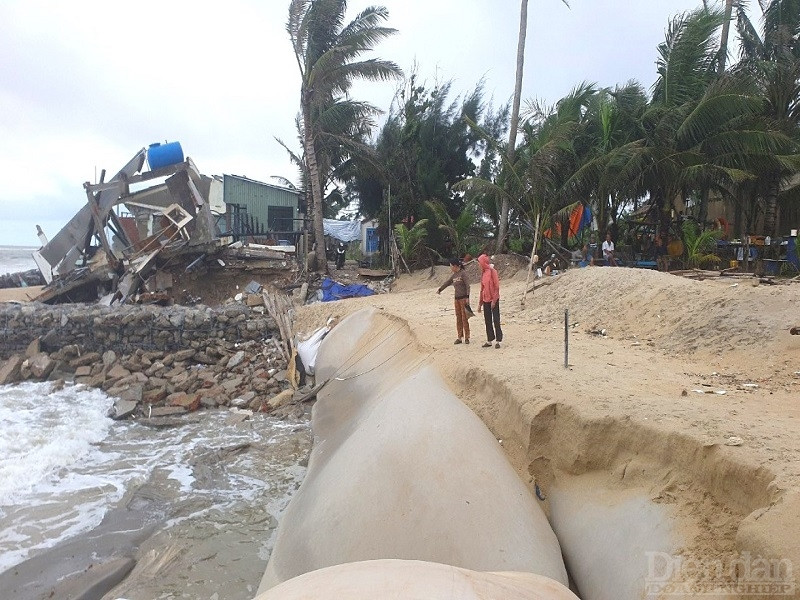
64, 465
215, 482
14, 259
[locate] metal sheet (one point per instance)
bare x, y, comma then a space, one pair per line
73, 234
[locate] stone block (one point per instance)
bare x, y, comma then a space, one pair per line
117, 372
34, 348
182, 355
165, 411
41, 365
10, 372
109, 358
89, 358
236, 359
122, 409
155, 396
190, 402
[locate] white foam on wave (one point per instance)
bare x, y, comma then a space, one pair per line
45, 434
52, 484
63, 464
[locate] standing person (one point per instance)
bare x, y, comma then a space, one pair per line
608, 251
458, 279
340, 252
490, 302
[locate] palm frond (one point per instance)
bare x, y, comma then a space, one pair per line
712, 114
687, 57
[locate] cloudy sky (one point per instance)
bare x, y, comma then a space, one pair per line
85, 84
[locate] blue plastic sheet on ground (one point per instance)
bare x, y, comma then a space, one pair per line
332, 290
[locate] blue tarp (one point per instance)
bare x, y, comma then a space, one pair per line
345, 231
332, 290
791, 253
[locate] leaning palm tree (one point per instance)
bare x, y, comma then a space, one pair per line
514, 125
328, 55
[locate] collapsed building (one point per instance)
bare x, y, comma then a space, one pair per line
116, 247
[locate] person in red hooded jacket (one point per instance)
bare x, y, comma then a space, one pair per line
490, 302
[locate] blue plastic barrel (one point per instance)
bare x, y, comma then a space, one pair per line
164, 155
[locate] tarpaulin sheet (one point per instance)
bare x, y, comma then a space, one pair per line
345, 231
579, 218
332, 290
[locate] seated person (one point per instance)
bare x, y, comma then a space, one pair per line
589, 251
646, 246
608, 251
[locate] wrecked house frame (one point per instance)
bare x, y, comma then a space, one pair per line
99, 253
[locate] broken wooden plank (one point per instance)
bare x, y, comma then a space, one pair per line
278, 307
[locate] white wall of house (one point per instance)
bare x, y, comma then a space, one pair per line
370, 244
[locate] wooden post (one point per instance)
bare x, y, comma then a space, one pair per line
531, 262
566, 338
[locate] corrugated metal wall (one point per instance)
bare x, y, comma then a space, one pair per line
258, 197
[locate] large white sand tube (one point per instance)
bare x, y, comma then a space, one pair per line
401, 468
410, 579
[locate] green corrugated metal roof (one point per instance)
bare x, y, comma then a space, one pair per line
258, 197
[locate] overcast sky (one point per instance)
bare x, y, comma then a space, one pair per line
86, 84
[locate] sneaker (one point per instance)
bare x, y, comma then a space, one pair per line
458, 341
497, 345
466, 341
487, 345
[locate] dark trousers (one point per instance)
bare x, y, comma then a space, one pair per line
492, 318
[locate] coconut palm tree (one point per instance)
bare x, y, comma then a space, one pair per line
328, 54
723, 43
700, 131
773, 59
514, 124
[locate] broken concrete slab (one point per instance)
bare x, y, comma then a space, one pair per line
122, 409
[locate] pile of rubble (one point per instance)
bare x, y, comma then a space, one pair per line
127, 245
153, 384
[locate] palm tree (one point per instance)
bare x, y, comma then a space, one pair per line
534, 183
327, 53
514, 125
723, 43
773, 59
700, 132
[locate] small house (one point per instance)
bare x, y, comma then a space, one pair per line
370, 240
255, 208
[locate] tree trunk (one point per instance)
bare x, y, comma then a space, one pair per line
738, 218
514, 124
317, 208
723, 44
771, 209
702, 215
